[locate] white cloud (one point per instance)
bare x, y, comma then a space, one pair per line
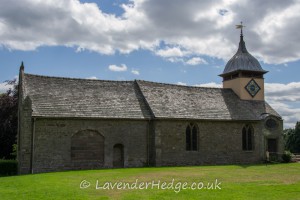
188, 28
211, 85
281, 97
135, 72
196, 61
181, 83
175, 59
283, 92
171, 52
116, 68
4, 87
289, 114
92, 78
279, 26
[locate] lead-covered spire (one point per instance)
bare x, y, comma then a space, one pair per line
242, 60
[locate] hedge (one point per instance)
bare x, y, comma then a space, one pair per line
8, 167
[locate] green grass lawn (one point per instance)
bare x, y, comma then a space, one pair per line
278, 181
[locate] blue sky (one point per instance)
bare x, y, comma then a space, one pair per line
181, 42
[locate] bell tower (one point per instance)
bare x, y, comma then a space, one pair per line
243, 73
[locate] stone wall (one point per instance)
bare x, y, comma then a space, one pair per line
52, 143
24, 137
218, 143
273, 133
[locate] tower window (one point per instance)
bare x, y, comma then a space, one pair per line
191, 134
248, 138
252, 87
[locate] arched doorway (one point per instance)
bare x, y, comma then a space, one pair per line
87, 149
118, 157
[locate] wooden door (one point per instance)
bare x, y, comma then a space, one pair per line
118, 157
272, 145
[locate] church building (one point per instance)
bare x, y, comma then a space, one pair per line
69, 123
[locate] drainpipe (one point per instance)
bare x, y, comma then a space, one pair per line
32, 145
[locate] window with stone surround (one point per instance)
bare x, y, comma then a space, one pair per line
248, 138
191, 135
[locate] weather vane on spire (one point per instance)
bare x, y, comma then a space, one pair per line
240, 26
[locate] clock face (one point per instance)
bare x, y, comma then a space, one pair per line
252, 88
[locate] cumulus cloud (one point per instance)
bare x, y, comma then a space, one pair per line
283, 92
4, 87
171, 52
176, 59
196, 61
282, 97
211, 85
181, 83
116, 68
175, 54
135, 72
194, 27
92, 78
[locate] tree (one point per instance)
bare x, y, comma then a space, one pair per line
8, 120
292, 139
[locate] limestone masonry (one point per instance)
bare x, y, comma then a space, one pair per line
67, 123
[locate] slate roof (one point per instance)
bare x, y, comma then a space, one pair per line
68, 97
242, 61
186, 102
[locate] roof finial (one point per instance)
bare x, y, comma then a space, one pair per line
240, 26
242, 45
22, 66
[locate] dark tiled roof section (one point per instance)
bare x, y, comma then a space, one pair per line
243, 61
67, 97
271, 111
185, 102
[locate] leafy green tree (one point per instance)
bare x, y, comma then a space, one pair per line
292, 139
8, 120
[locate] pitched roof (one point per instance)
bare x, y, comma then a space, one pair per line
68, 97
186, 102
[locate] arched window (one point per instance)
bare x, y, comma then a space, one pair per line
191, 136
248, 138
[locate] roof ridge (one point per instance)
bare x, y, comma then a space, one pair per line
69, 78
173, 84
126, 81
